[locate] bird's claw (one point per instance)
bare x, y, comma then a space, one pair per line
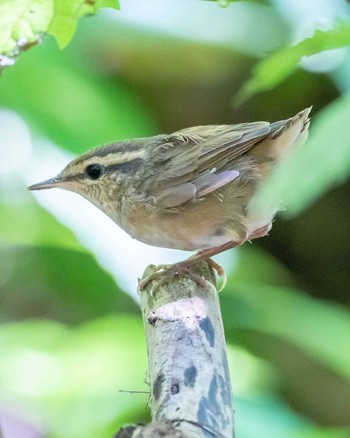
164, 273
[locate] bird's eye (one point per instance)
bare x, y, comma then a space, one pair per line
94, 171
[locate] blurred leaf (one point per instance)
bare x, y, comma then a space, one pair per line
299, 339
273, 418
76, 374
320, 329
22, 22
56, 283
278, 66
70, 107
225, 3
64, 21
36, 227
256, 266
322, 163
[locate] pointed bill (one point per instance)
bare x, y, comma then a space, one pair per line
48, 184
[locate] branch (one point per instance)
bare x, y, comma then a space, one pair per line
188, 368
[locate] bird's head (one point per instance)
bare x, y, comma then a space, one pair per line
103, 173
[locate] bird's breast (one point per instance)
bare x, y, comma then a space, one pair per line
189, 230
176, 235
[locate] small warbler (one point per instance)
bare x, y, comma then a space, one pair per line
190, 190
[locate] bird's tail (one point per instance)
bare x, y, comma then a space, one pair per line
289, 134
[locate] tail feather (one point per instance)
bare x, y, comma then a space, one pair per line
292, 134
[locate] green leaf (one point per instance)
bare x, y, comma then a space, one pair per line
278, 66
318, 328
76, 110
76, 373
22, 22
114, 4
273, 418
256, 301
62, 284
64, 20
322, 163
35, 227
225, 3
256, 266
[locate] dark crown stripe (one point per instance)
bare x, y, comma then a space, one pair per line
114, 149
126, 146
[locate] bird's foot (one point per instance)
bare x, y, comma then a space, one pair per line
165, 273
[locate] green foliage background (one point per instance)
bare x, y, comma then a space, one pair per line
66, 348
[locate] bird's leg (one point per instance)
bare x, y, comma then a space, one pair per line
182, 268
206, 254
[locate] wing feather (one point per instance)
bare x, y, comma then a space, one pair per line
174, 196
197, 161
210, 182
205, 184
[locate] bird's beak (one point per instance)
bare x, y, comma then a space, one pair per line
48, 184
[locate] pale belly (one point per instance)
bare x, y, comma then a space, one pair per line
191, 231
179, 239
178, 233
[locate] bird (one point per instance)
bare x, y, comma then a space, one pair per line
191, 190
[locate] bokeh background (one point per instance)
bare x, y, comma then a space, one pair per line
71, 333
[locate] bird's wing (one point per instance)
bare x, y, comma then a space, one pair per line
197, 161
204, 184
